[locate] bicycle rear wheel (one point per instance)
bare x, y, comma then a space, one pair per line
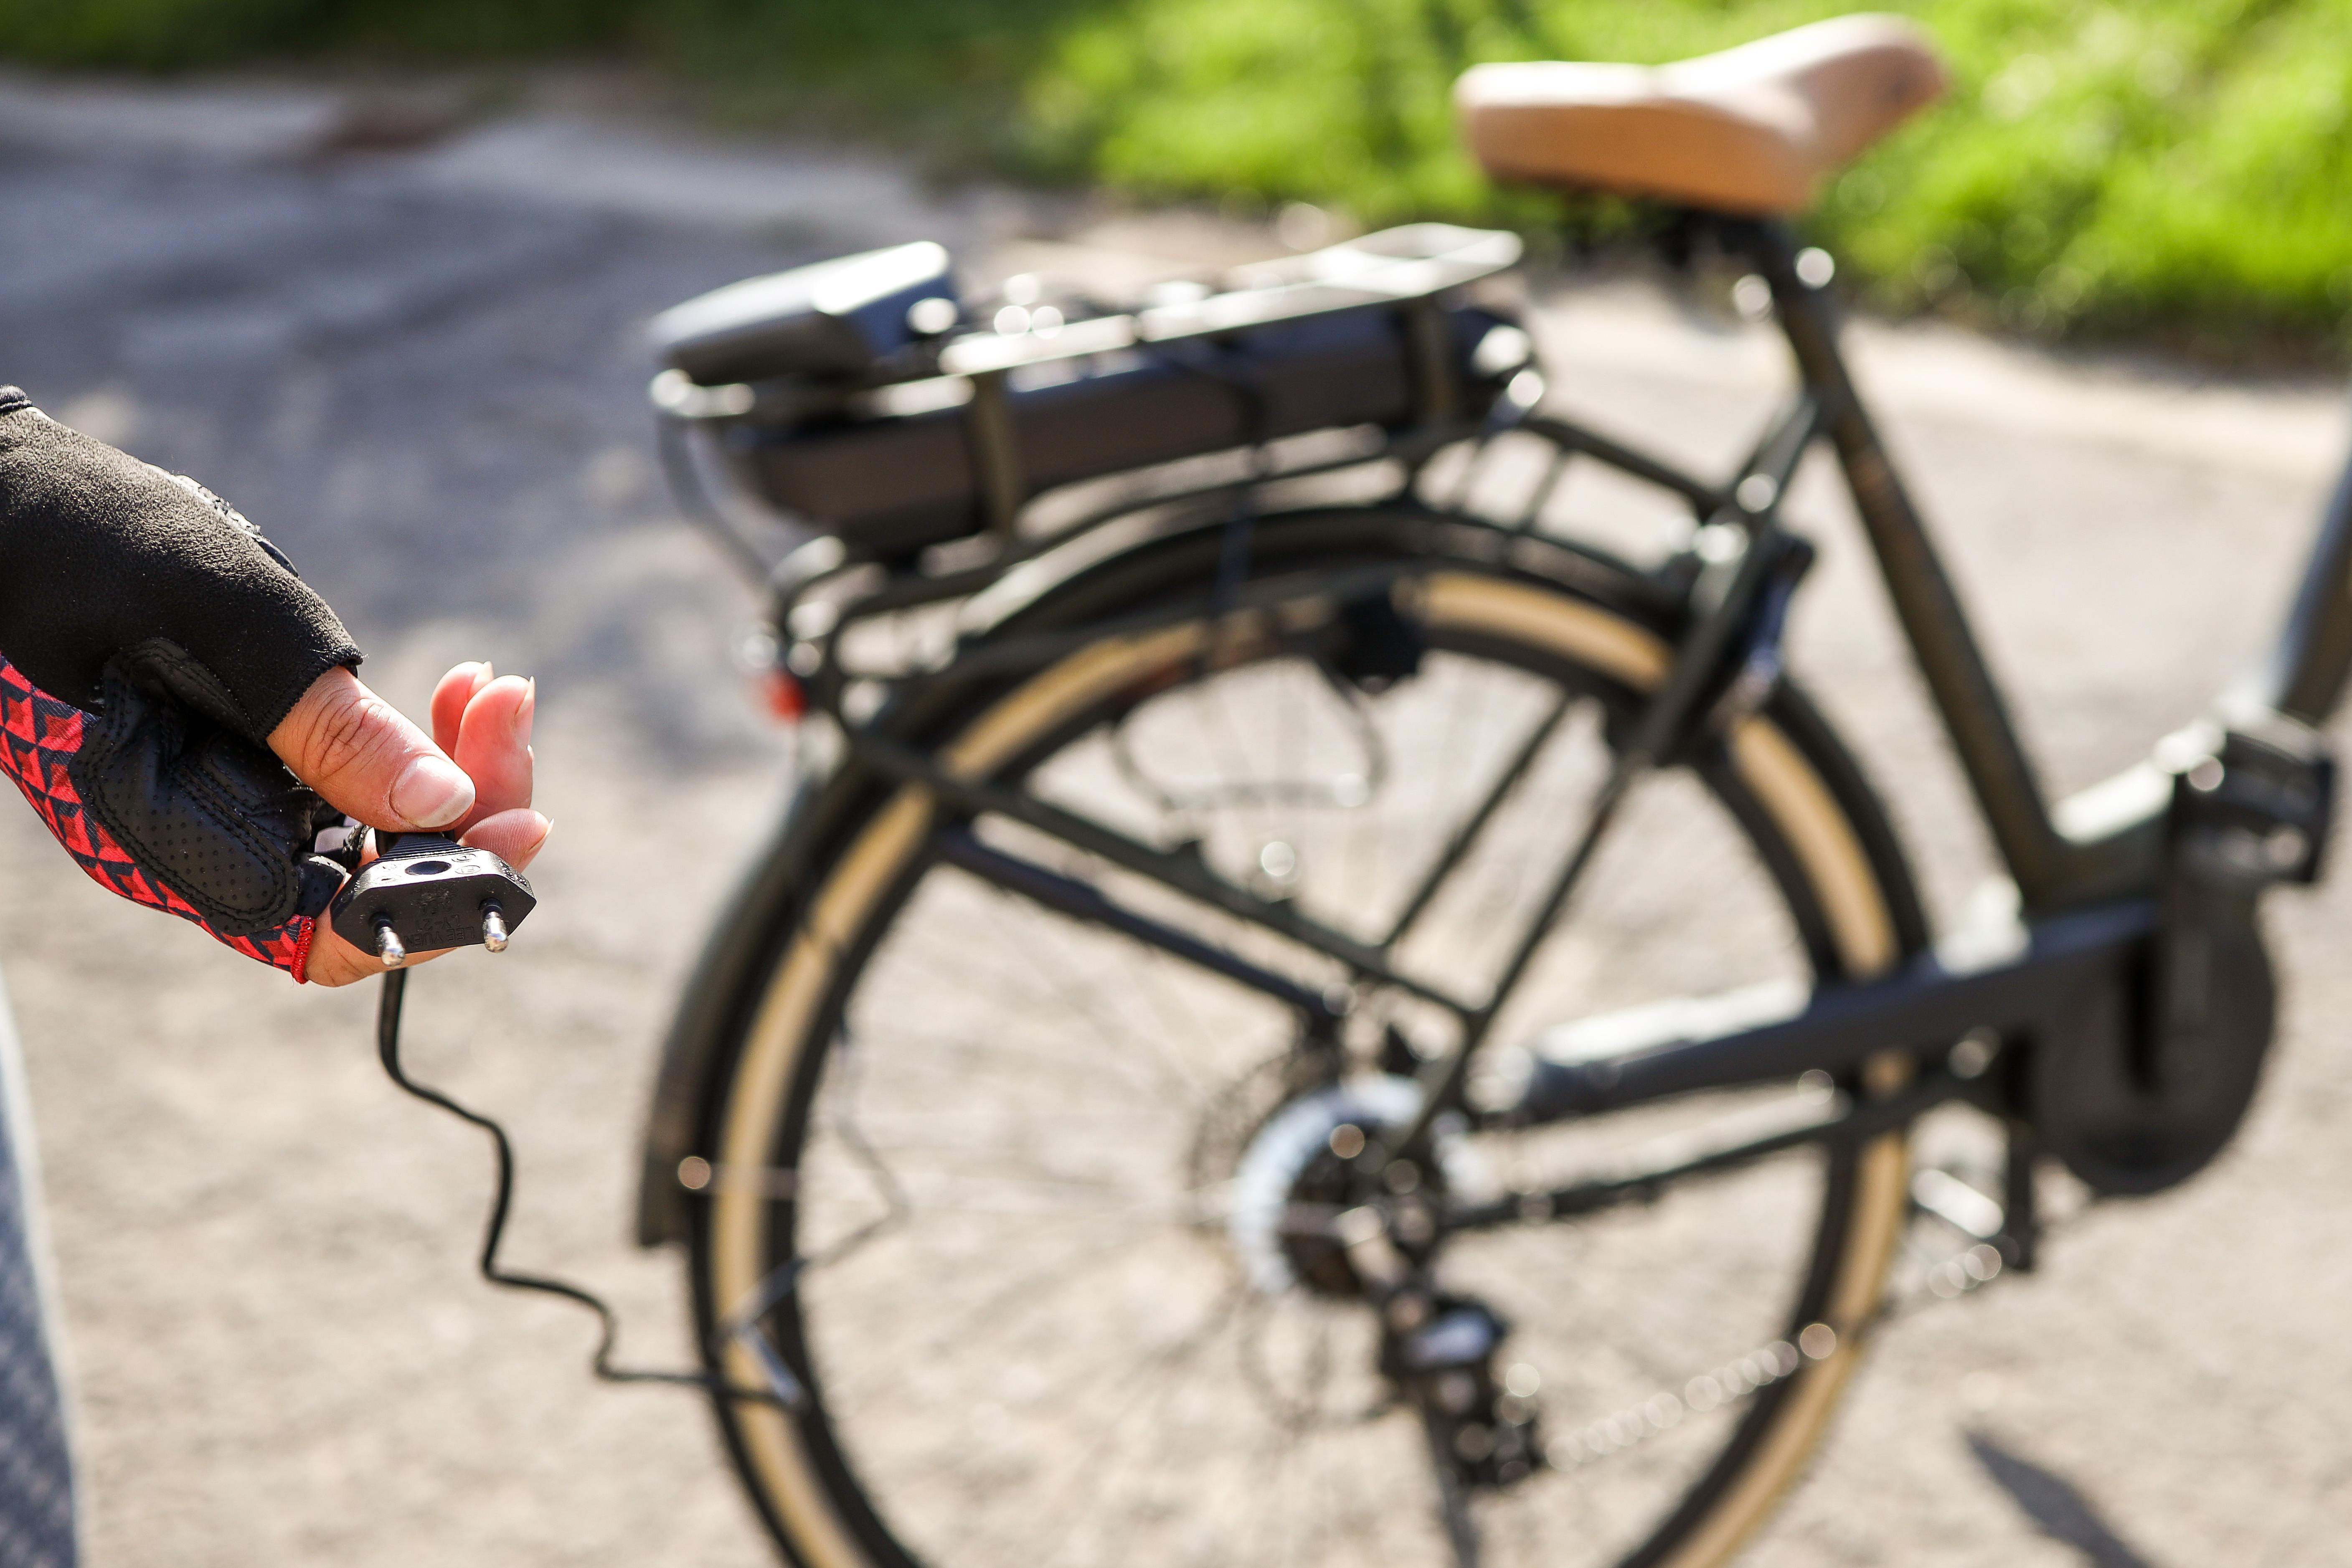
985, 1171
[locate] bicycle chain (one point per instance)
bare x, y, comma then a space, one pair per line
1963, 1274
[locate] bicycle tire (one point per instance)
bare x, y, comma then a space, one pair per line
856, 852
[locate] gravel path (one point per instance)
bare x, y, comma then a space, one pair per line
423, 374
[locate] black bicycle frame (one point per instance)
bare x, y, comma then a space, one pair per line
2090, 904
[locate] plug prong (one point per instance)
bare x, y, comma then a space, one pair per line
388, 945
494, 928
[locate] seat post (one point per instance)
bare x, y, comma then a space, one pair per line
1991, 752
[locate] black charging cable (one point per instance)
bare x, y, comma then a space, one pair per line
387, 1044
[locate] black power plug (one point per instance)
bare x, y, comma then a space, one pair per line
426, 891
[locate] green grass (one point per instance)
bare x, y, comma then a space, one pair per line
2177, 165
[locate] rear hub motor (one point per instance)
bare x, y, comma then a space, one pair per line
1298, 1173
1294, 1180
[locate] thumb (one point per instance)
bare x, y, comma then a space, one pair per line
357, 751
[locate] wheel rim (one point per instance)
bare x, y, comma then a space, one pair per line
895, 1443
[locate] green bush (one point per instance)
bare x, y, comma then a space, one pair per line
2112, 168
165, 34
2172, 163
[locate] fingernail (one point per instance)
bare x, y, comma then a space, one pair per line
432, 792
526, 711
546, 832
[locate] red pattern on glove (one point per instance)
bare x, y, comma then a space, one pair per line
42, 736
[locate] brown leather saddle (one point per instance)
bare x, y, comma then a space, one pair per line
1751, 130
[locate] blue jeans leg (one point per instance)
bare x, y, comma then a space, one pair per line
37, 1496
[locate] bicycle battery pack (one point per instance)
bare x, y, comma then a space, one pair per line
936, 439
836, 319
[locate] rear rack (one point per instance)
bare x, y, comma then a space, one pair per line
952, 437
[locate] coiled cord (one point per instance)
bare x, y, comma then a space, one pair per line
387, 1044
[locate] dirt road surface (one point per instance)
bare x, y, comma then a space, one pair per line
422, 372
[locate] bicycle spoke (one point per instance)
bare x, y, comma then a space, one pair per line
1598, 817
1090, 1002
1157, 1374
1017, 1294
1463, 837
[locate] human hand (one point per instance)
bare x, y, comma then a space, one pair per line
471, 778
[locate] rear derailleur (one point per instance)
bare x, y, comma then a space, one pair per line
1478, 1429
1439, 1352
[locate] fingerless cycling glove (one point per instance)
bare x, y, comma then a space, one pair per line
150, 640
99, 552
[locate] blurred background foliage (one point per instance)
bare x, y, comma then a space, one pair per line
2176, 165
